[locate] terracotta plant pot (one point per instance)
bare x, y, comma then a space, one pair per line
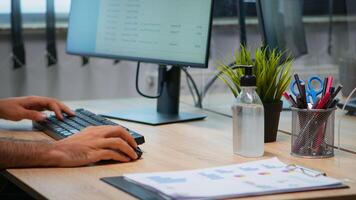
272, 114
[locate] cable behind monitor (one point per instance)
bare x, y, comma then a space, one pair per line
138, 88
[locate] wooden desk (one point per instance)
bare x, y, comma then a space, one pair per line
220, 103
182, 146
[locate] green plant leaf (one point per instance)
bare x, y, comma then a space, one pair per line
272, 70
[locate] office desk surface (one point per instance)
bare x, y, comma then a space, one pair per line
221, 103
183, 146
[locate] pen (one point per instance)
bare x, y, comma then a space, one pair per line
300, 103
297, 80
292, 99
303, 95
325, 85
333, 103
333, 95
337, 90
332, 90
316, 103
329, 84
323, 101
287, 97
320, 129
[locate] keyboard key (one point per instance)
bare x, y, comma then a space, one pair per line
73, 124
66, 133
80, 121
99, 118
87, 113
66, 126
59, 129
108, 122
91, 121
74, 131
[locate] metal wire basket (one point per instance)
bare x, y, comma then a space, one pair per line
313, 133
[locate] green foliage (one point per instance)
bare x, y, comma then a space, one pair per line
271, 68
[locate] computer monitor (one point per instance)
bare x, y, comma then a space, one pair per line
166, 32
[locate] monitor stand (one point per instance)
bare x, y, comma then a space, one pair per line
167, 110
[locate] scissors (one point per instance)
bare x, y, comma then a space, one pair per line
311, 91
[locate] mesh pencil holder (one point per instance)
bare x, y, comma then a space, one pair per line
313, 133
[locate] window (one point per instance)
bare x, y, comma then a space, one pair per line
35, 6
33, 13
5, 6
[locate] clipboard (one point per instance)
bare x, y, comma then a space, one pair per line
136, 190
142, 191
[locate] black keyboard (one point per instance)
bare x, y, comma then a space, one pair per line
59, 129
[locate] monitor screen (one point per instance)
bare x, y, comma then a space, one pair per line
172, 32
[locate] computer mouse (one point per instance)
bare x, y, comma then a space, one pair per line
138, 152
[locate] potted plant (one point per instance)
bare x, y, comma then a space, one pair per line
272, 70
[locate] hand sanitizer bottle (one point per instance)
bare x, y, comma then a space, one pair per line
248, 118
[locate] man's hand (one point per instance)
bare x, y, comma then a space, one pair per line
94, 144
91, 145
19, 108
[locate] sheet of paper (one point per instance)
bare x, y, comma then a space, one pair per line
259, 177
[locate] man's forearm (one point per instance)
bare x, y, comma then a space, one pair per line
19, 153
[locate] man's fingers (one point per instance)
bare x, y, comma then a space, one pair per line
33, 115
106, 154
66, 109
118, 131
43, 103
119, 145
56, 109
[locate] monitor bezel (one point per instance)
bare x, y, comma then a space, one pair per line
151, 60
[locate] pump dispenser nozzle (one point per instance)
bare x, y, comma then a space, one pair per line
248, 79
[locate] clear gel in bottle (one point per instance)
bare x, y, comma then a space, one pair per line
248, 118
